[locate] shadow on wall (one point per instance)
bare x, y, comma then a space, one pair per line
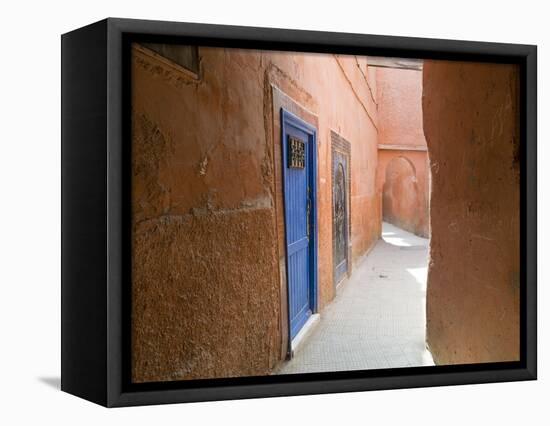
400, 201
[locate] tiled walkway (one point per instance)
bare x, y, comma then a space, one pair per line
377, 319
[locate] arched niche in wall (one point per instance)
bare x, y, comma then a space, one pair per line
400, 194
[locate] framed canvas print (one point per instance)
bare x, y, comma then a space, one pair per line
253, 212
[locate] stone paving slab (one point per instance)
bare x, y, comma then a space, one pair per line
378, 318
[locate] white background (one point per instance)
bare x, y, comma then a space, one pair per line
30, 212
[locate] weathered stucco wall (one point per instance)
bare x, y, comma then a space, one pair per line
208, 292
204, 300
399, 92
403, 156
471, 122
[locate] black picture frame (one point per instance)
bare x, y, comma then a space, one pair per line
95, 212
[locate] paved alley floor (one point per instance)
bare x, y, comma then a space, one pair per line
377, 319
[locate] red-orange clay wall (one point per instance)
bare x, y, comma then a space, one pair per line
208, 277
471, 123
403, 168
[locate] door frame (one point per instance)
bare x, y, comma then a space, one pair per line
288, 118
341, 147
340, 160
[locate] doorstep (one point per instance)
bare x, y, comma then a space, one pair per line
302, 335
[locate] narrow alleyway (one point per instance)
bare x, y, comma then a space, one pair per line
377, 319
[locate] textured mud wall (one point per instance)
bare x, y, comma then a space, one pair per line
471, 124
205, 301
208, 289
405, 202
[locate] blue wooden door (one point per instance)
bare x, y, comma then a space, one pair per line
299, 165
